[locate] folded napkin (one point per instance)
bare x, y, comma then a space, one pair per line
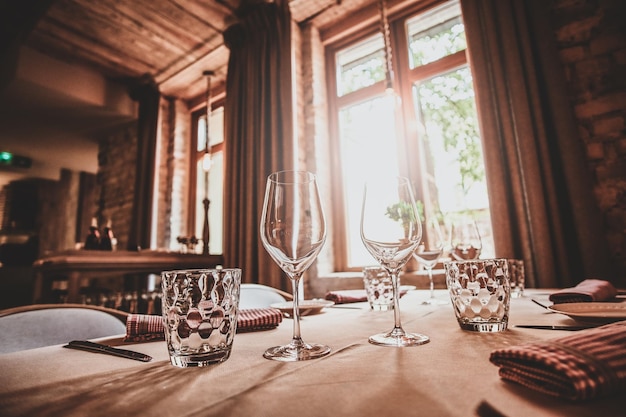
589, 364
346, 296
350, 296
143, 327
587, 290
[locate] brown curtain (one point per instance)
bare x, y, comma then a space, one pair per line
258, 130
147, 94
543, 208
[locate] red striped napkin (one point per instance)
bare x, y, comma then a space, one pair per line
143, 327
586, 291
346, 296
589, 364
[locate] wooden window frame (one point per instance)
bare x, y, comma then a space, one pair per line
405, 77
195, 156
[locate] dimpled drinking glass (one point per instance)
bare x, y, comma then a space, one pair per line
200, 310
480, 293
378, 287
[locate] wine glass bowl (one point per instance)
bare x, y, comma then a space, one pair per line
391, 231
429, 252
465, 241
293, 231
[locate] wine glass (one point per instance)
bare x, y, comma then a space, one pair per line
429, 252
293, 231
391, 231
465, 239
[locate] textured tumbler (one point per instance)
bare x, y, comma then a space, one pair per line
480, 293
200, 310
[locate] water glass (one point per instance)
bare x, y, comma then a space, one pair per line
378, 287
516, 277
200, 310
480, 293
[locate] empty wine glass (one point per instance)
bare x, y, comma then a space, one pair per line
465, 239
429, 252
391, 231
293, 231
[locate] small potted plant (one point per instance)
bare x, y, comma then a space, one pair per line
402, 212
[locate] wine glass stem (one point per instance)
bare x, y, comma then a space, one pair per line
295, 282
432, 284
397, 328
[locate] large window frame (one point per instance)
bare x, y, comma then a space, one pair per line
195, 199
404, 80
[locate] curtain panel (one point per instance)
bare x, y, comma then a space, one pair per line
258, 129
541, 196
146, 93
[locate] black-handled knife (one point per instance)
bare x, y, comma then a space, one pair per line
109, 350
548, 327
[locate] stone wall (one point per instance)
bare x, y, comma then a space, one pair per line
591, 39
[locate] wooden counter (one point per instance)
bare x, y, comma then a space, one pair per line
75, 265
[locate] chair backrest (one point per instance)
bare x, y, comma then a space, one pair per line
260, 296
36, 326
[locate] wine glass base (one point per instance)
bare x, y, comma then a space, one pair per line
294, 353
398, 340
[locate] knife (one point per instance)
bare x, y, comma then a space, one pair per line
109, 350
548, 327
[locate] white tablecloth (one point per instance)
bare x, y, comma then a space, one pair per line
450, 376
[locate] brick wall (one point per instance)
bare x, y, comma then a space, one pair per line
591, 39
117, 156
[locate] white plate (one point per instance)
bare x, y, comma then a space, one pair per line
407, 287
306, 307
592, 312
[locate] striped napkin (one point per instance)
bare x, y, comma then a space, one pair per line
350, 296
144, 328
586, 291
589, 364
346, 296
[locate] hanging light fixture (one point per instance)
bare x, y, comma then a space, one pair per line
206, 159
384, 28
206, 165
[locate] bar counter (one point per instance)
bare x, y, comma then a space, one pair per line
75, 265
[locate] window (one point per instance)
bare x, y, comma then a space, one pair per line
211, 183
426, 129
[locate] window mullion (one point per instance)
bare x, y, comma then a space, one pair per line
442, 65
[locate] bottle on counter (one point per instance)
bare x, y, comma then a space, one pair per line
108, 240
92, 242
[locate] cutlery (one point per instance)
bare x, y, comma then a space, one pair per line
549, 327
109, 350
485, 409
538, 303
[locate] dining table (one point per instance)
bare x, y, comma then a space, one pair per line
451, 375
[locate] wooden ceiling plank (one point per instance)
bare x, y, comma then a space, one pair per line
302, 10
55, 40
190, 78
189, 57
210, 12
140, 28
100, 30
170, 18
